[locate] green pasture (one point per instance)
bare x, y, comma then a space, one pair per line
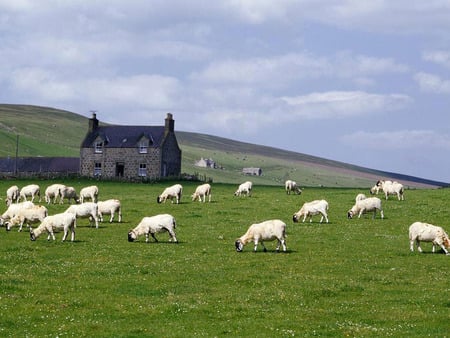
352, 278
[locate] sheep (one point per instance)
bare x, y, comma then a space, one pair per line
36, 213
85, 210
109, 207
202, 191
174, 191
69, 193
89, 192
264, 231
53, 191
425, 232
12, 195
392, 188
363, 206
244, 189
360, 197
65, 221
31, 190
291, 186
310, 209
152, 225
13, 209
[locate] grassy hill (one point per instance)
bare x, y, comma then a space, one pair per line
47, 131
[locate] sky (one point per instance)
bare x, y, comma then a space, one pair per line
362, 82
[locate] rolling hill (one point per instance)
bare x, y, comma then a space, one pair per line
44, 131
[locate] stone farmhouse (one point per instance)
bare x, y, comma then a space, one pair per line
130, 152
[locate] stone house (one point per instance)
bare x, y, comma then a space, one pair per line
130, 152
252, 171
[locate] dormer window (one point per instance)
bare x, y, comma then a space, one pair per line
143, 146
98, 147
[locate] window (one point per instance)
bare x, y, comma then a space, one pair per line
143, 147
98, 147
142, 170
97, 169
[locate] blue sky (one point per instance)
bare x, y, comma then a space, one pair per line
363, 82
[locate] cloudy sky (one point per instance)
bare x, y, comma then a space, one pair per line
363, 82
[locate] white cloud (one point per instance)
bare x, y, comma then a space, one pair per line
439, 57
432, 83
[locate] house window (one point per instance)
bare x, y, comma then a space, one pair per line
97, 169
143, 147
98, 147
142, 170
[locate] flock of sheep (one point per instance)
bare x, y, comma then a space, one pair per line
26, 212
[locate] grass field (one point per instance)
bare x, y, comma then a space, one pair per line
347, 278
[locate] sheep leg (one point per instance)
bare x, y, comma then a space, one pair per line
418, 245
411, 245
120, 216
281, 242
112, 217
66, 232
172, 235
382, 214
153, 235
72, 237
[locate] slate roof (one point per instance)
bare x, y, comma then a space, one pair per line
40, 164
124, 136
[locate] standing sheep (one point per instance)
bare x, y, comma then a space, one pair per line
89, 192
309, 209
291, 186
70, 193
65, 221
14, 209
31, 190
109, 207
265, 231
36, 213
152, 225
425, 232
244, 189
85, 210
12, 195
175, 191
202, 191
53, 191
366, 205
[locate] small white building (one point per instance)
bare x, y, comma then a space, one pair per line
206, 163
252, 171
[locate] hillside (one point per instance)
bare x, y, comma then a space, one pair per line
51, 132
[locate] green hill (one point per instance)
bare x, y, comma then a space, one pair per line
43, 131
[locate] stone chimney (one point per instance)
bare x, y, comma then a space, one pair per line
170, 124
93, 123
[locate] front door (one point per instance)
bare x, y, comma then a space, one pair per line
120, 168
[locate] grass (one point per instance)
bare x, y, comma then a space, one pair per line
346, 278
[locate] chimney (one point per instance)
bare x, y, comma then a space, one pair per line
170, 124
93, 123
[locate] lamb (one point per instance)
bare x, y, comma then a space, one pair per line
425, 232
202, 191
31, 190
265, 231
291, 186
392, 188
36, 213
360, 197
152, 225
174, 191
109, 207
89, 192
310, 209
85, 210
65, 221
244, 189
70, 193
12, 195
53, 191
366, 205
13, 209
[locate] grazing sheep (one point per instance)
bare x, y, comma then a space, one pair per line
244, 189
53, 191
85, 210
65, 221
360, 197
265, 231
89, 192
109, 207
152, 225
366, 205
70, 193
174, 191
31, 190
291, 186
392, 188
13, 209
202, 191
36, 213
12, 195
425, 232
309, 209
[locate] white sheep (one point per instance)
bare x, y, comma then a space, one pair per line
309, 209
36, 213
53, 191
392, 188
13, 209
31, 190
360, 197
425, 232
366, 205
12, 195
152, 225
202, 191
244, 189
89, 192
85, 210
265, 231
109, 207
65, 221
70, 193
174, 191
291, 186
